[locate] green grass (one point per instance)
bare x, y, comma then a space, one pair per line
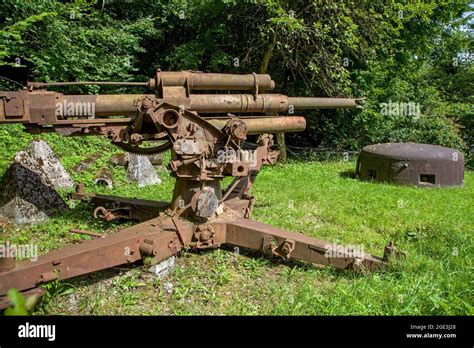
433, 226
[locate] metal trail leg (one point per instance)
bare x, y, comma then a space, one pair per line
163, 236
156, 237
290, 245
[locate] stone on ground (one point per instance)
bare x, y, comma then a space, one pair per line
141, 171
122, 159
88, 162
162, 269
118, 159
28, 188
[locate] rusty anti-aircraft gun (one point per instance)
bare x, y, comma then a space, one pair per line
200, 130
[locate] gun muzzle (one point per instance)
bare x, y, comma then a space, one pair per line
303, 103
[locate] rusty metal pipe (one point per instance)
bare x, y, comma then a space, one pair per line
197, 80
194, 80
324, 103
37, 85
259, 125
23, 106
87, 233
217, 103
123, 105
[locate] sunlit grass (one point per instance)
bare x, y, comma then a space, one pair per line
434, 227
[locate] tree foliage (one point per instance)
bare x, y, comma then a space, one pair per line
386, 51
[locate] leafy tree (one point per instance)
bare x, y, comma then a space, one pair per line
385, 51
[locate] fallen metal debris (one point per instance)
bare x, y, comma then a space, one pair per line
104, 178
87, 233
87, 163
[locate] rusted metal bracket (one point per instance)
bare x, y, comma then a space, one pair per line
296, 246
391, 252
126, 246
112, 207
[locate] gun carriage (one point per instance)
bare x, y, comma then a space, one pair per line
189, 114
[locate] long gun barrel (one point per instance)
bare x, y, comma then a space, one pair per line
37, 109
124, 104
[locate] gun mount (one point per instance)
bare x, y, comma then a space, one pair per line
205, 133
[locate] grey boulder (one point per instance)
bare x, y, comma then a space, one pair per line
141, 171
28, 188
